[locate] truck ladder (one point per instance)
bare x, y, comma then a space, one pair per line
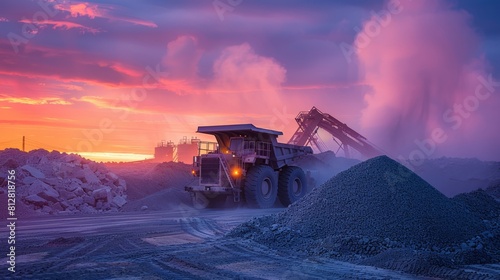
231, 183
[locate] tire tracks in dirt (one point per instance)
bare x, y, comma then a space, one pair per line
170, 246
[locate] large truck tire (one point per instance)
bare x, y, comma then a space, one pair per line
261, 187
292, 185
202, 201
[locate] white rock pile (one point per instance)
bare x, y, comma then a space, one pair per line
53, 182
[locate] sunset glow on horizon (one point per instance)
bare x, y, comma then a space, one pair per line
110, 79
115, 157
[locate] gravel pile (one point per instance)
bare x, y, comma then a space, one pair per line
494, 189
145, 177
480, 203
154, 186
373, 208
369, 200
424, 263
53, 182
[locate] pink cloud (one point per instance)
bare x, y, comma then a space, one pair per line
182, 58
85, 9
419, 66
64, 25
64, 87
135, 21
67, 66
240, 69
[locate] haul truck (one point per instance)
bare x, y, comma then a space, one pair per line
249, 165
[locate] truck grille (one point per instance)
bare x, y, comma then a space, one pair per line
209, 171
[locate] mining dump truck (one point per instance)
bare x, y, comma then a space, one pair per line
248, 165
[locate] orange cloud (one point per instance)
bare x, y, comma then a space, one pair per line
97, 101
34, 101
112, 104
55, 123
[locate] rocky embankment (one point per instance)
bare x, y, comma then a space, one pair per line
53, 182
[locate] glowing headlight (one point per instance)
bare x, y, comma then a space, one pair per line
236, 172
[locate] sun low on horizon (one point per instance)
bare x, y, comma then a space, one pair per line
110, 80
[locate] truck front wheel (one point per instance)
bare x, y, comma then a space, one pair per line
292, 185
261, 186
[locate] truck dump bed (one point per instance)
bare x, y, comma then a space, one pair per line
281, 154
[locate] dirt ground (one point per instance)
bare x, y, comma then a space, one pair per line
170, 239
179, 244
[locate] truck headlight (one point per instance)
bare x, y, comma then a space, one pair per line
236, 172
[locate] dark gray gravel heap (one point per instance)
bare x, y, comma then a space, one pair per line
480, 203
494, 189
372, 206
381, 198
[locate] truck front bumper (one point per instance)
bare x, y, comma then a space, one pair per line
209, 189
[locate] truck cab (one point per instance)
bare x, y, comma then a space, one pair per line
249, 164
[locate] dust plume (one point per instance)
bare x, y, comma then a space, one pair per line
432, 94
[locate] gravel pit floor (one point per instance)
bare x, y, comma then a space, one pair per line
177, 244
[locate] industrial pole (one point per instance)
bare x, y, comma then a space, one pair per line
23, 143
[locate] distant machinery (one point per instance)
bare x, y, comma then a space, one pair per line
310, 121
184, 151
187, 149
164, 151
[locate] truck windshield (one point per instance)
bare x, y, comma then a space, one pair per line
236, 144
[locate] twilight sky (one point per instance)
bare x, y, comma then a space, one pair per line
417, 77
